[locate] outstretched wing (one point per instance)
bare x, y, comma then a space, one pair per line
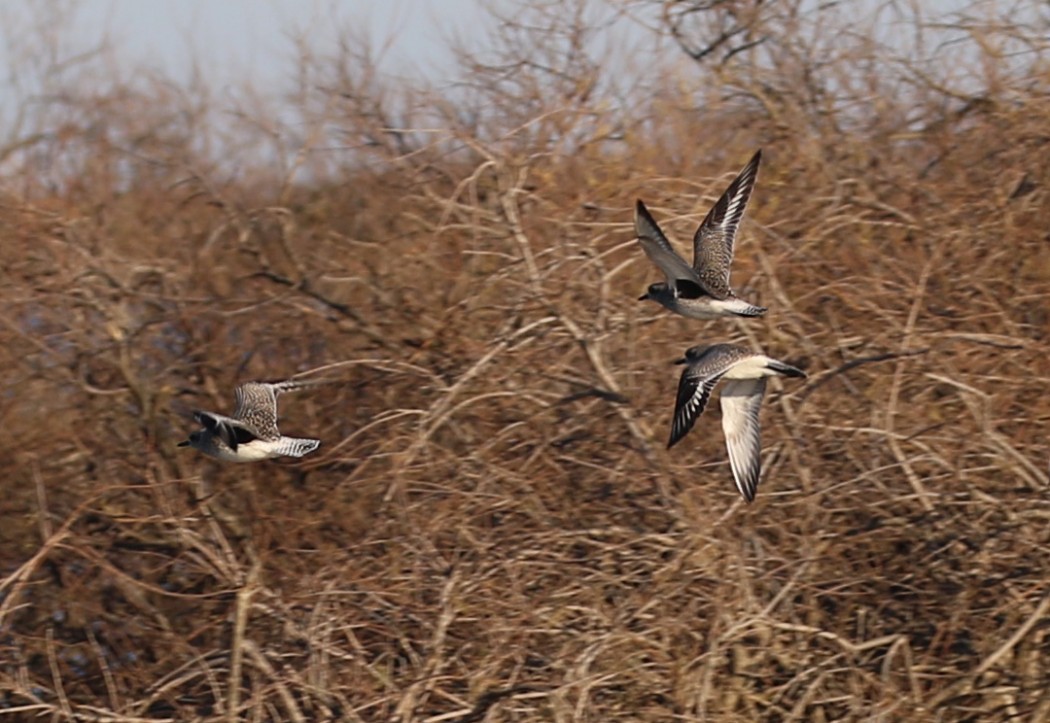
257, 408
257, 403
230, 431
693, 392
658, 248
713, 240
741, 402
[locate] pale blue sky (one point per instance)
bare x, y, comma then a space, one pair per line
235, 39
238, 40
234, 42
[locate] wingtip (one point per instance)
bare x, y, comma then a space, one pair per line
755, 161
676, 435
641, 213
747, 488
750, 171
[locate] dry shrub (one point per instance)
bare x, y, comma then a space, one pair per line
492, 529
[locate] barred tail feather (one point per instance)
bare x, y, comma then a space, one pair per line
738, 307
751, 311
293, 447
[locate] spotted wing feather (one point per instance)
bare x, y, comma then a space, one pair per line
257, 408
714, 239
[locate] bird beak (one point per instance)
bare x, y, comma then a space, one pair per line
183, 444
683, 360
643, 297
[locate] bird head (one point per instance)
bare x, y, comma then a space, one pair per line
693, 353
652, 292
193, 441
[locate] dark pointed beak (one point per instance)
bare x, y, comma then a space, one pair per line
644, 296
183, 444
683, 360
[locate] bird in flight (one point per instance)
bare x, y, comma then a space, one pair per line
701, 291
745, 374
251, 434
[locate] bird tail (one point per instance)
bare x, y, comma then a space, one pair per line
750, 311
738, 307
293, 447
291, 385
785, 369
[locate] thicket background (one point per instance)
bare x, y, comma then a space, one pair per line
492, 529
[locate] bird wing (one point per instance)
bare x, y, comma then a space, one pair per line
257, 408
713, 240
257, 404
231, 431
659, 250
741, 402
694, 389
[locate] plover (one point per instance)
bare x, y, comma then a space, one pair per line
701, 291
745, 372
251, 434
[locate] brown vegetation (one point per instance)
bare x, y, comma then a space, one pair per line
492, 529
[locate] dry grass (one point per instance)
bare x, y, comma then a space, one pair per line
492, 529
